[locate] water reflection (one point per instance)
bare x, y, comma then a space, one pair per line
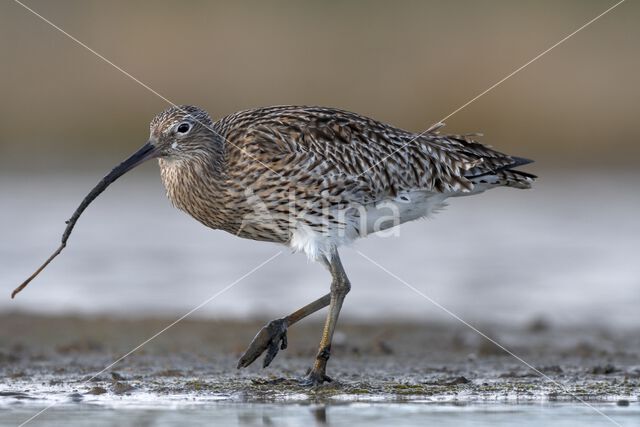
353, 415
320, 414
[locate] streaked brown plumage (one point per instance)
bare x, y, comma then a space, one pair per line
321, 157
311, 178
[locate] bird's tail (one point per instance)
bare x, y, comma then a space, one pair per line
506, 176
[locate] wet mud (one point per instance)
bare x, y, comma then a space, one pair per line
67, 359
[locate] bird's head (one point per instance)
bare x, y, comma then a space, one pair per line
180, 132
177, 133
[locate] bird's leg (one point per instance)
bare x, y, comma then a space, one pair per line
273, 336
340, 286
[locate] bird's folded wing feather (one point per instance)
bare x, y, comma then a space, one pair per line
323, 148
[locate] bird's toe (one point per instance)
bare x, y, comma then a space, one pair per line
278, 343
272, 337
314, 379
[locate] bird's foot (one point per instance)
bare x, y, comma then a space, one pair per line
272, 337
313, 379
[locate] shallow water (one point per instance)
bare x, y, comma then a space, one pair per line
565, 251
352, 414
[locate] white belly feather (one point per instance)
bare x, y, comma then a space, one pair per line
360, 221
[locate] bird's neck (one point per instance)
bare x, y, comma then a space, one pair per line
196, 186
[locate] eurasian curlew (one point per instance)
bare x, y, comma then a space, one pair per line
311, 178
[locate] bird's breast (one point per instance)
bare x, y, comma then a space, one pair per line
193, 190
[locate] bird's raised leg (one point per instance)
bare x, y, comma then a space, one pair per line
273, 336
340, 286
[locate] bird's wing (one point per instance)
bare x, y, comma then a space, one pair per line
324, 147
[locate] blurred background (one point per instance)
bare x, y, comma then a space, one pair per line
565, 252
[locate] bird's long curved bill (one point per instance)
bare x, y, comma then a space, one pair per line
146, 152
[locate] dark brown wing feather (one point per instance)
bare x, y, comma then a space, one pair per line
326, 146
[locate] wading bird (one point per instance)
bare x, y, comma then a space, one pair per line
311, 178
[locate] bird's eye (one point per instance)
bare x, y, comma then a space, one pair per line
184, 128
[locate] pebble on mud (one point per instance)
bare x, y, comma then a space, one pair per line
458, 380
76, 397
97, 390
121, 388
170, 373
604, 370
117, 377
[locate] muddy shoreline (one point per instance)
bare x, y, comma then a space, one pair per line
46, 359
